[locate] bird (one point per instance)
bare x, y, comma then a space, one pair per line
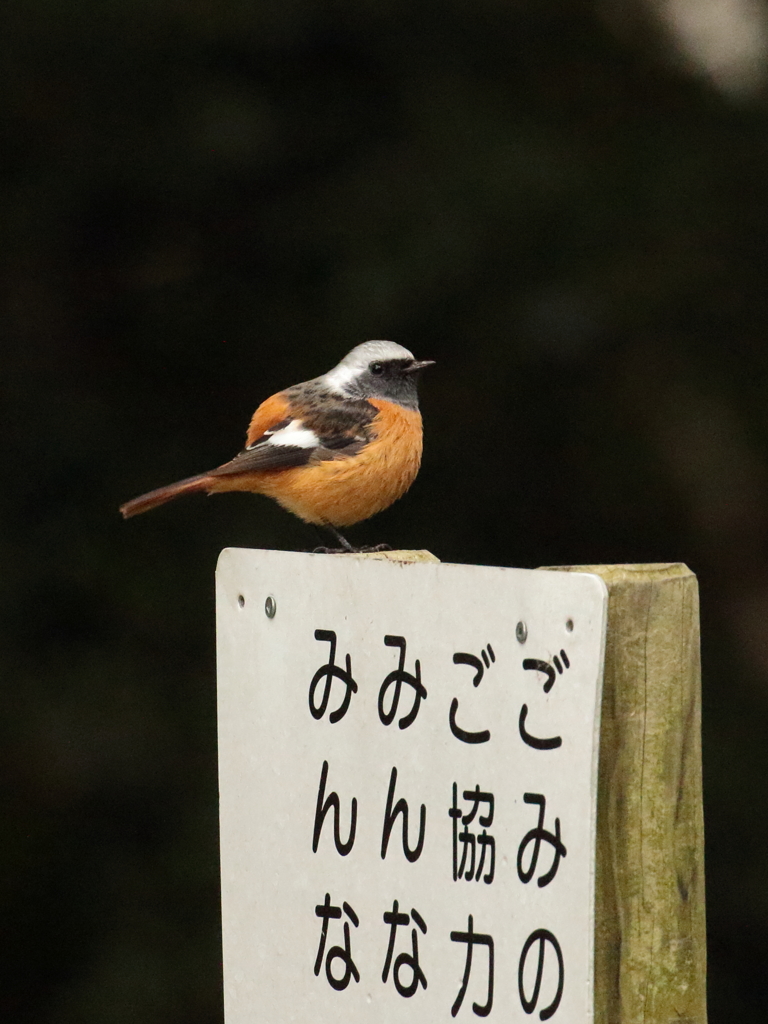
333, 450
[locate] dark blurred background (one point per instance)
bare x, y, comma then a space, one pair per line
564, 203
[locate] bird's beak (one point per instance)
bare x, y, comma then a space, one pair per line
416, 365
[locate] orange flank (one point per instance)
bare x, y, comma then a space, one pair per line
347, 490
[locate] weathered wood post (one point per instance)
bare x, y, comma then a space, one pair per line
650, 933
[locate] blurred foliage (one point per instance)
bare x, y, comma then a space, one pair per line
203, 202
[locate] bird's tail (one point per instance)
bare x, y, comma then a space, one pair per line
152, 499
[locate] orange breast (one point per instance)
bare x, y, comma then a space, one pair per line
345, 491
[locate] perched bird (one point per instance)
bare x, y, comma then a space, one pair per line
334, 450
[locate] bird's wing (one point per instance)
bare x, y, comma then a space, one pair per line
285, 434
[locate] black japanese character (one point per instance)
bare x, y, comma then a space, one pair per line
394, 918
472, 939
536, 836
542, 937
321, 810
401, 807
398, 677
327, 673
468, 840
535, 665
483, 735
326, 912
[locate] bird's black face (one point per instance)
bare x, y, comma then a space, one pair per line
393, 379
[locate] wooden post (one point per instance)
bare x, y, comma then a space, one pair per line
650, 939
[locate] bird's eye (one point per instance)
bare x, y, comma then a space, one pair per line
376, 369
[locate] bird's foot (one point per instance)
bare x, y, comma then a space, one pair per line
353, 551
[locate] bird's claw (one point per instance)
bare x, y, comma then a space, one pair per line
355, 551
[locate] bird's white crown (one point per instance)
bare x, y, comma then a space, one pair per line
360, 358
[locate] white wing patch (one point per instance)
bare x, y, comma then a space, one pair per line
294, 435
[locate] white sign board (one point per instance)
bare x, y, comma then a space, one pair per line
407, 771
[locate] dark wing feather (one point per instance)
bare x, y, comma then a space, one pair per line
271, 456
264, 457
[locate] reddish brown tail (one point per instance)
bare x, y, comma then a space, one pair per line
145, 502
